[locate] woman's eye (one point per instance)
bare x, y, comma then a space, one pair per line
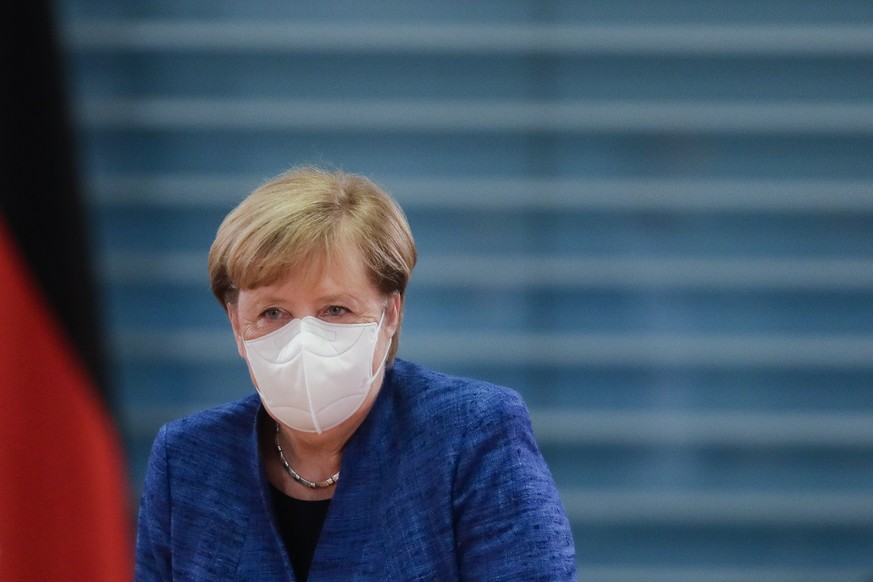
272, 313
335, 311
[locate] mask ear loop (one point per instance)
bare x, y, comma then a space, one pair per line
382, 363
387, 348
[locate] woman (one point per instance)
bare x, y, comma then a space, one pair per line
346, 464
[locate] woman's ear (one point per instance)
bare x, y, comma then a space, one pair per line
393, 313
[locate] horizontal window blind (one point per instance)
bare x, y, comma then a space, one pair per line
653, 219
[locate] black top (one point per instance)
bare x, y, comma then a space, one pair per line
299, 525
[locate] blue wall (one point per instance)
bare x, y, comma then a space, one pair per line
654, 219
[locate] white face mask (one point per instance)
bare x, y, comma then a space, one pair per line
313, 375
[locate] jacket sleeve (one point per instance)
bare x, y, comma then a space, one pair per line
510, 522
153, 523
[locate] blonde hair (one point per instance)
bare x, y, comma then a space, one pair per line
304, 216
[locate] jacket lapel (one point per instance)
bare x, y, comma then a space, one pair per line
258, 551
350, 546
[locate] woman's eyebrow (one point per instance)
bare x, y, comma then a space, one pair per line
339, 298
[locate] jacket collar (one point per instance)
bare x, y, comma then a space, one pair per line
345, 547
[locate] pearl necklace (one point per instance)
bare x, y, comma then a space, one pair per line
296, 476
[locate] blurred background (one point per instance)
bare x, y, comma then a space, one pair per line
654, 219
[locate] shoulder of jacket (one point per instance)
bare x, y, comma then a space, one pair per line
234, 419
452, 394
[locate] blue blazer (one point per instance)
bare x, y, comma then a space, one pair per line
442, 481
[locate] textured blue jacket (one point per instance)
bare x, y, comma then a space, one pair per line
442, 481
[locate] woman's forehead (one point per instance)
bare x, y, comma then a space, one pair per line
344, 260
342, 272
